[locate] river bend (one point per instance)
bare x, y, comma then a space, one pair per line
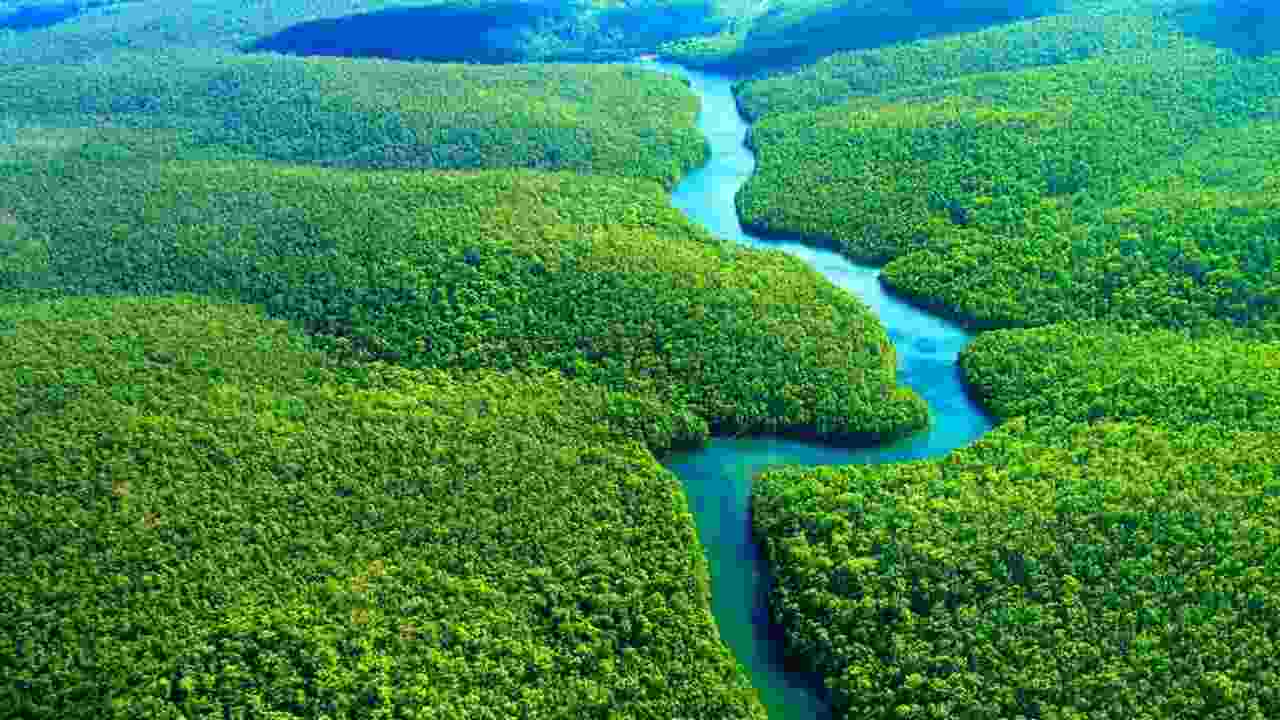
717, 477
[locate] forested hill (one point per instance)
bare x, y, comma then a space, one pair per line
1116, 167
1096, 191
333, 386
60, 31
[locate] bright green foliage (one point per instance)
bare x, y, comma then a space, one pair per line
882, 176
203, 517
1195, 247
1138, 185
1104, 571
369, 113
1090, 372
1052, 40
600, 278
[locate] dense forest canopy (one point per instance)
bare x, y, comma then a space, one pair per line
1110, 164
1110, 167
203, 514
1051, 570
600, 278
333, 377
610, 120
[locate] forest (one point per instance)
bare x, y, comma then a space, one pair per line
1097, 371
1054, 569
339, 358
1095, 193
1055, 168
205, 514
372, 113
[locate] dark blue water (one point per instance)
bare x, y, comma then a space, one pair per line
34, 17
717, 478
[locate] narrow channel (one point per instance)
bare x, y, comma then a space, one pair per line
717, 478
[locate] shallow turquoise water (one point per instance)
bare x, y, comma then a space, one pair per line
717, 478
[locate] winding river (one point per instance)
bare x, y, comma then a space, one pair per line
717, 477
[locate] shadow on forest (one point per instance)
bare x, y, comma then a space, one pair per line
34, 17
441, 33
852, 25
491, 32
1248, 27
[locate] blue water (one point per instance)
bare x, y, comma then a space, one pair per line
717, 478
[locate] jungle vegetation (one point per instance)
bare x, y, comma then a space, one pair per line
1135, 184
1102, 183
598, 277
433, 492
609, 120
774, 35
1087, 372
1053, 569
204, 516
333, 385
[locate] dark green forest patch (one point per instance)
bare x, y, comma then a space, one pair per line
599, 278
374, 113
467, 32
494, 32
1052, 40
1088, 372
1101, 571
202, 517
793, 33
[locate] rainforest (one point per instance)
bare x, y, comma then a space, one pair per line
639, 359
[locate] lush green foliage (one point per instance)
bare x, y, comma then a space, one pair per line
1136, 185
792, 32
600, 278
1065, 571
884, 175
467, 29
1194, 247
1090, 372
201, 517
369, 113
1052, 40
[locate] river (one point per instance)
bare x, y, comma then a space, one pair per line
717, 478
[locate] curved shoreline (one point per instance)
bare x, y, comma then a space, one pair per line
717, 478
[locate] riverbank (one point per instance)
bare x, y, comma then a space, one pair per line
717, 478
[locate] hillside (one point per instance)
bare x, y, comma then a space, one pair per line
202, 515
372, 113
1051, 570
597, 277
1118, 169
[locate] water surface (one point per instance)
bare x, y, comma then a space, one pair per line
717, 478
